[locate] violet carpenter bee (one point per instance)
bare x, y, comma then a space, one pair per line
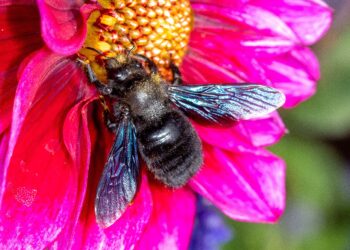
149, 119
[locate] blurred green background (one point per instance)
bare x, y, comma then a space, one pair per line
317, 152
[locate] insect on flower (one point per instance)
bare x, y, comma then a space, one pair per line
149, 118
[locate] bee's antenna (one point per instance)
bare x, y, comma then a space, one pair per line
130, 41
132, 48
96, 50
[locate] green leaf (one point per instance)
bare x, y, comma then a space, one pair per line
313, 170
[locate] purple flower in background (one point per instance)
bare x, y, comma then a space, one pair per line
210, 231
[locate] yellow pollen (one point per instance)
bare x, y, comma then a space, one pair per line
108, 20
157, 29
103, 46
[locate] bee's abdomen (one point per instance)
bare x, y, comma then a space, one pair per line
170, 148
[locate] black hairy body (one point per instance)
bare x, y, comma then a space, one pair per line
167, 141
148, 118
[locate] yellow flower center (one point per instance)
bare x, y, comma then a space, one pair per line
157, 29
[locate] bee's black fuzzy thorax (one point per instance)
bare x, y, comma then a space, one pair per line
167, 141
147, 101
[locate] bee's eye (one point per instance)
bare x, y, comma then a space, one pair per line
121, 75
112, 64
138, 65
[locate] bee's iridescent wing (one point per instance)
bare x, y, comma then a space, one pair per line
119, 181
225, 103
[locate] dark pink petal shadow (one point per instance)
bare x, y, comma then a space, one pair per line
16, 2
7, 92
40, 191
125, 233
245, 186
244, 135
62, 25
4, 140
20, 35
171, 223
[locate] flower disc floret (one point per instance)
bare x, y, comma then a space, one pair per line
158, 29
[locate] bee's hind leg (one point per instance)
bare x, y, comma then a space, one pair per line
177, 79
112, 126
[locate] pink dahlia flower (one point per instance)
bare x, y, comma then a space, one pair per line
53, 143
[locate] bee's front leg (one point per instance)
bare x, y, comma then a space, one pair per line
177, 79
102, 88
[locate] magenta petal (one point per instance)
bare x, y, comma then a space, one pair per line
223, 3
42, 179
265, 131
125, 233
294, 73
245, 135
245, 186
309, 19
77, 141
62, 24
247, 18
210, 70
206, 36
170, 226
262, 43
29, 83
225, 138
303, 22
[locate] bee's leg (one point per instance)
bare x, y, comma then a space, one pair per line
177, 79
112, 126
120, 110
102, 88
151, 65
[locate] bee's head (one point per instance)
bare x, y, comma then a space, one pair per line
122, 72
